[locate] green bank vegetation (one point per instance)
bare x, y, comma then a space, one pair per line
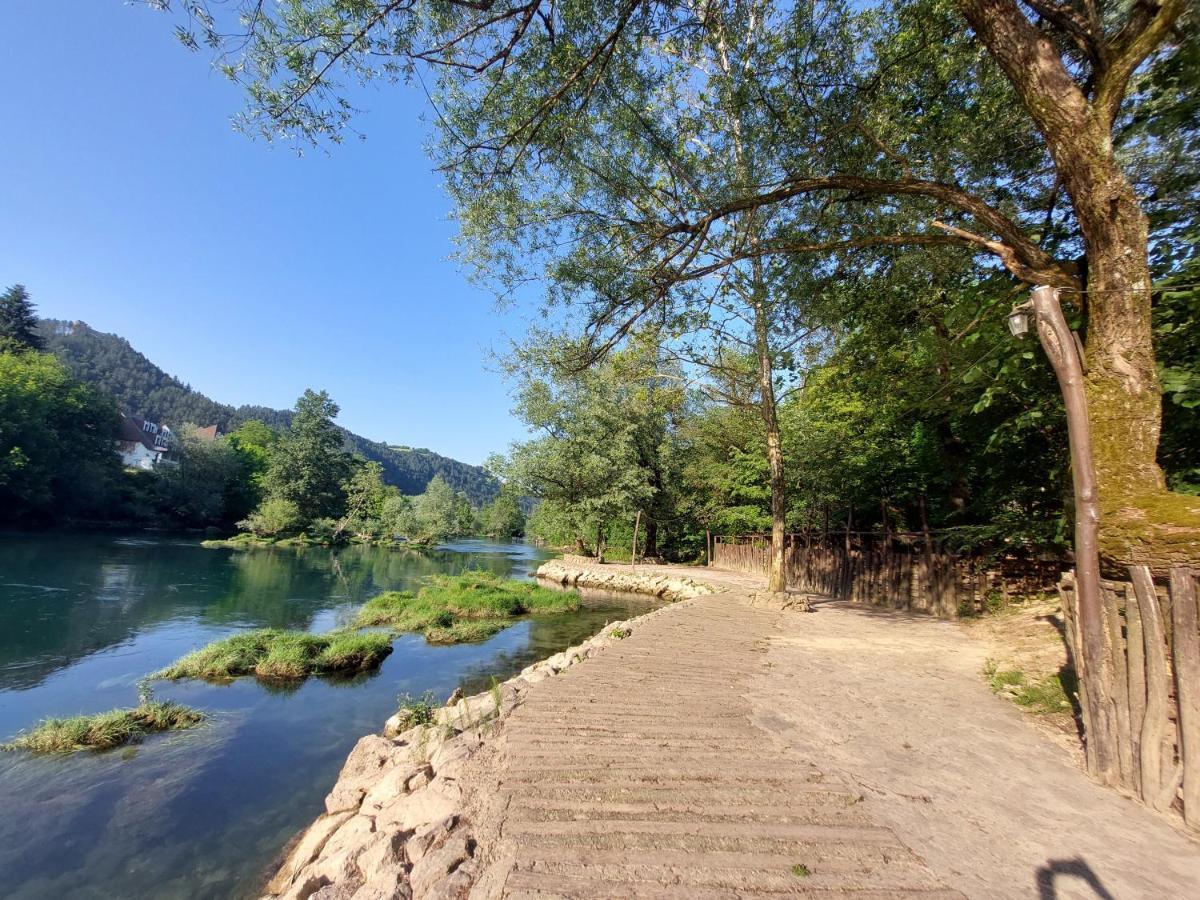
276, 655
106, 730
1042, 696
468, 607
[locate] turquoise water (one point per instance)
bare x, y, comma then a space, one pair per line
202, 813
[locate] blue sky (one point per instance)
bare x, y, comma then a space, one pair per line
128, 201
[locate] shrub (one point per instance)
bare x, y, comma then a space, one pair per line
274, 516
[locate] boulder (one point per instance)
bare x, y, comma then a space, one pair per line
305, 851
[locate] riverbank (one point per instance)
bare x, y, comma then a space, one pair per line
722, 746
664, 582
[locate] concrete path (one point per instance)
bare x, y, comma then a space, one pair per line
724, 751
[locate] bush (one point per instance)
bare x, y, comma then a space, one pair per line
274, 516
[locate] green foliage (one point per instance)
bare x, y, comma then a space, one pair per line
309, 465
503, 518
800, 870
274, 516
416, 711
271, 654
18, 322
206, 483
472, 606
1043, 697
56, 445
104, 731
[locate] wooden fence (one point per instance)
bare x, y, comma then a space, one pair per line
902, 571
1152, 678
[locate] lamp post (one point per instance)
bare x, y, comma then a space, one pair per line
1063, 350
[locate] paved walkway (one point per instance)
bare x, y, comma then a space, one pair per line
724, 751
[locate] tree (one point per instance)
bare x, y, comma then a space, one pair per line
587, 461
18, 321
309, 467
905, 130
57, 458
198, 488
365, 496
436, 511
502, 517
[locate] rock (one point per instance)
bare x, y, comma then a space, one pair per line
386, 852
456, 886
429, 837
437, 864
389, 787
352, 835
305, 851
370, 756
305, 887
432, 803
386, 884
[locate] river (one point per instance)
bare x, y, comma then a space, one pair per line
202, 813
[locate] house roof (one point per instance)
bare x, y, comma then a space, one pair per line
132, 429
207, 433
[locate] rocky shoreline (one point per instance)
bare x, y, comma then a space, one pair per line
397, 823
581, 572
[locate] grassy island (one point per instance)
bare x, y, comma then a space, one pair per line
104, 731
472, 606
272, 654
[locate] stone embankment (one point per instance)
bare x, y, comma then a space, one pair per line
579, 572
394, 823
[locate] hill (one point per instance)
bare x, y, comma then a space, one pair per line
111, 364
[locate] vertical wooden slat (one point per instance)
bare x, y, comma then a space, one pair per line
1186, 644
1066, 593
1118, 669
1156, 727
1135, 652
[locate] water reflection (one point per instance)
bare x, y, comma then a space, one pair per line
201, 813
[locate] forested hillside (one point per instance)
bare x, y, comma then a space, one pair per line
113, 365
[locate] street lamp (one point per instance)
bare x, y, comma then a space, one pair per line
1019, 318
1067, 359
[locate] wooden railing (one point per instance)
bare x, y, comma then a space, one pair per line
1152, 679
902, 571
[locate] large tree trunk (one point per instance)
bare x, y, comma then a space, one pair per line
1140, 520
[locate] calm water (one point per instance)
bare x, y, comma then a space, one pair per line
201, 813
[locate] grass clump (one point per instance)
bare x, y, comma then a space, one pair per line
1041, 696
800, 870
620, 633
473, 606
277, 655
414, 711
104, 731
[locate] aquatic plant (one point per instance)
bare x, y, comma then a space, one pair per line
471, 606
274, 654
106, 730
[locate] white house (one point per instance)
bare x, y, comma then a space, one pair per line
142, 444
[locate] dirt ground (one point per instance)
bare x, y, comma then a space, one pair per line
896, 704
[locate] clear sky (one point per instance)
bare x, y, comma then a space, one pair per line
128, 201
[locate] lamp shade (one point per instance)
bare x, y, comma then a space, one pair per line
1018, 320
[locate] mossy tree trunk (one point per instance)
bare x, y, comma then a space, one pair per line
1140, 520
